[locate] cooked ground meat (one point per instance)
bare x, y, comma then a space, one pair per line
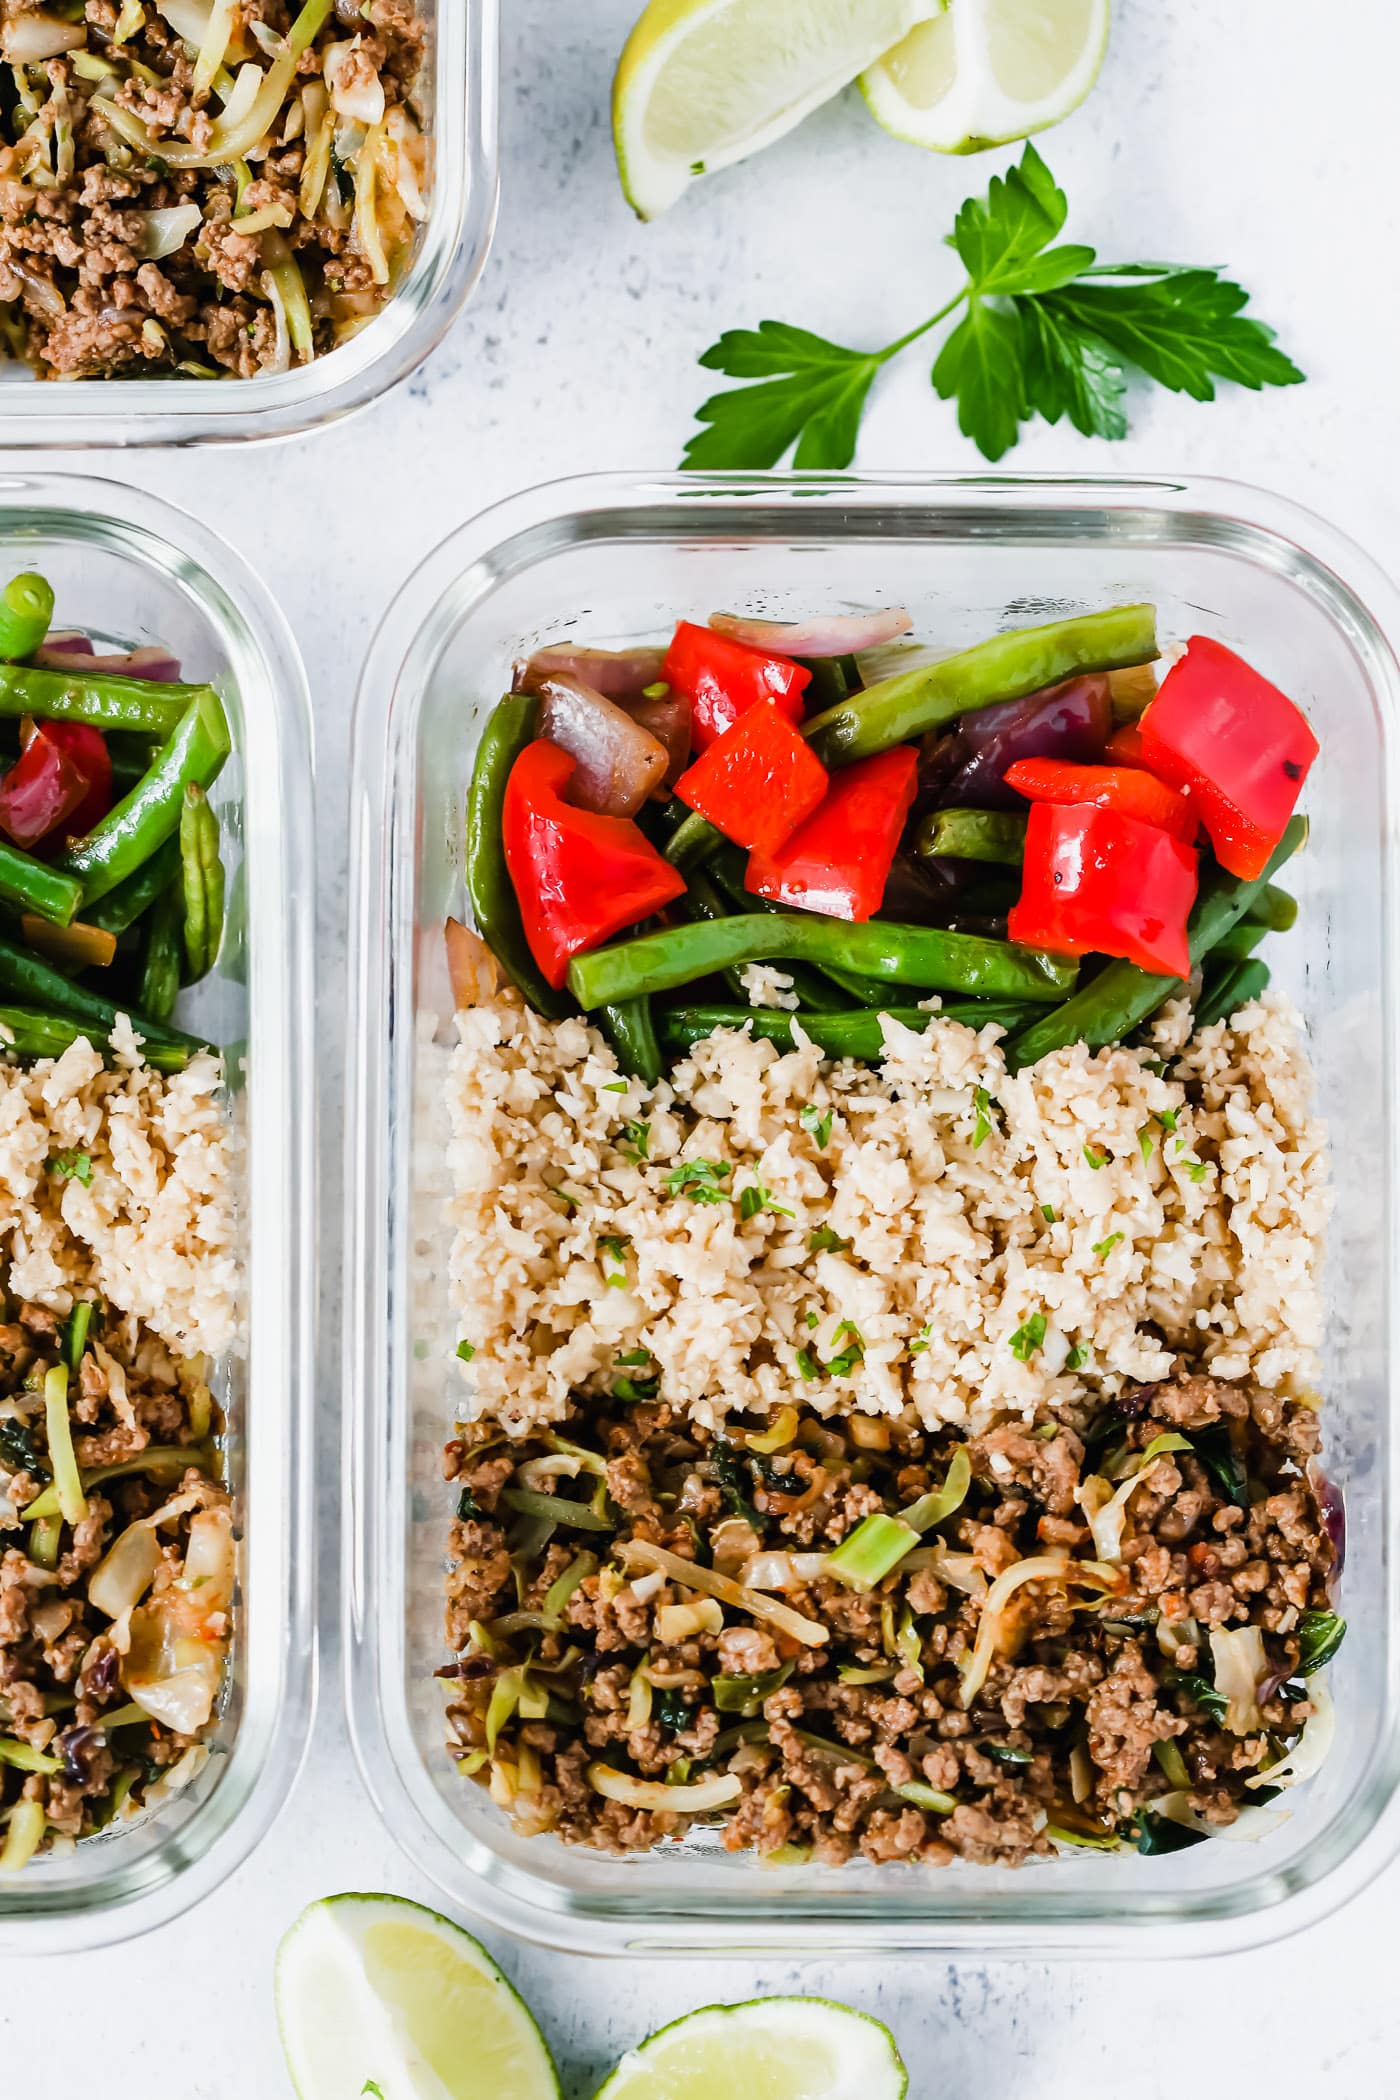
74, 1735
887, 1728
141, 233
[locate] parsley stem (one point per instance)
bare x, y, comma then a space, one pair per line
893, 349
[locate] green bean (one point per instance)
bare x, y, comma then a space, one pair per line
703, 900
1275, 908
833, 679
693, 841
837, 1035
35, 886
1122, 996
26, 608
490, 891
864, 990
1231, 990
974, 834
819, 991
1240, 942
160, 968
150, 814
1007, 667
105, 700
926, 956
202, 873
119, 910
628, 1026
30, 978
27, 1034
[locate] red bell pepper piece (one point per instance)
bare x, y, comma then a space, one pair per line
1236, 744
87, 747
1098, 882
1124, 747
839, 861
1128, 789
758, 781
721, 679
45, 785
578, 877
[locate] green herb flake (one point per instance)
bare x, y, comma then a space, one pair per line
807, 1364
633, 1358
635, 1139
825, 1241
756, 1198
1105, 1247
1094, 1158
614, 1086
922, 1339
657, 690
1047, 1211
614, 1246
817, 1124
812, 1320
842, 1365
1145, 1145
71, 1166
1167, 1117
565, 1195
466, 1351
636, 1388
1077, 1358
373, 2088
986, 1122
1028, 1337
700, 1179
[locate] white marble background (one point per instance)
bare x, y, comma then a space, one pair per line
1258, 133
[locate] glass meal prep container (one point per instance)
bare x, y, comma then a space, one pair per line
131, 570
459, 101
612, 561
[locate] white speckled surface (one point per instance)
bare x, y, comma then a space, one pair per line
1236, 131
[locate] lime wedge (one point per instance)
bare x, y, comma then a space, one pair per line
379, 1996
988, 71
703, 83
768, 2049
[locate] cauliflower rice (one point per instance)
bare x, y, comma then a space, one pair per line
119, 1178
955, 1239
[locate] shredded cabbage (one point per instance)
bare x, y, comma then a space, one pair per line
655, 1794
1241, 1666
1107, 1511
1313, 1746
167, 230
1249, 1826
641, 1553
1040, 1567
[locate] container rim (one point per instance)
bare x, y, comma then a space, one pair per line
270, 1744
451, 254
497, 544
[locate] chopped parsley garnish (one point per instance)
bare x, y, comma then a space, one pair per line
565, 1195
807, 1364
636, 1388
1167, 1117
825, 1241
986, 1122
1028, 1337
615, 1247
756, 1198
635, 1139
921, 1342
841, 1366
1095, 1158
1077, 1358
700, 1179
1196, 1168
812, 1320
633, 1358
817, 1124
466, 1351
614, 1086
1145, 1145
1047, 1211
373, 2088
1106, 1246
71, 1166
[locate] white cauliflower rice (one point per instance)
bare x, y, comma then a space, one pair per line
119, 1177
934, 1232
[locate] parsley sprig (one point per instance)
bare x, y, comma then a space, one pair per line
1045, 330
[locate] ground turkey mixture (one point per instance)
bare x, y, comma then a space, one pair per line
114, 1615
203, 186
1099, 1633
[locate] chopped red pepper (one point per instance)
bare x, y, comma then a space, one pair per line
578, 877
1236, 744
87, 747
45, 785
839, 861
1128, 789
721, 679
758, 781
1124, 747
1098, 882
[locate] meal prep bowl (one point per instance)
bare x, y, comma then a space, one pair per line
132, 570
460, 118
609, 560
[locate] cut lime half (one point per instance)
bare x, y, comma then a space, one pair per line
376, 1995
988, 72
703, 83
767, 2049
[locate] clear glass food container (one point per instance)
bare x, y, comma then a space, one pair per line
614, 561
131, 570
460, 105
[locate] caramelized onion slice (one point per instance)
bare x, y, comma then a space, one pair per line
617, 762
618, 674
835, 634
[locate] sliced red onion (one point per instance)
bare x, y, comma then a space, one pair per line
1072, 721
1332, 1510
618, 674
832, 634
77, 653
666, 716
618, 763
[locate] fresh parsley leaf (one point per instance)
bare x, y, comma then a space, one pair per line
614, 1086
636, 1388
986, 1122
1047, 1211
921, 1342
700, 1179
825, 1241
1028, 1337
635, 1139
811, 395
71, 1166
1106, 1246
1077, 1358
1094, 1158
812, 1320
807, 1364
841, 1366
1168, 1118
1145, 1145
631, 1359
756, 1198
373, 2088
615, 1246
466, 1351
817, 1124
1045, 330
